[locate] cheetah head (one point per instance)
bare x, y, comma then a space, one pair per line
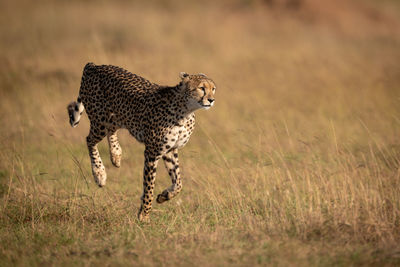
199, 90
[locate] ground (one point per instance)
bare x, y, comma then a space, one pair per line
297, 163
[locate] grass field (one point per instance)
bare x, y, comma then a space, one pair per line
297, 163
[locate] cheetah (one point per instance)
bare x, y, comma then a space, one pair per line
160, 117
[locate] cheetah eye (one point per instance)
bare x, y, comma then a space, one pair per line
213, 89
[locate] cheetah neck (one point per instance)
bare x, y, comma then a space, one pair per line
179, 101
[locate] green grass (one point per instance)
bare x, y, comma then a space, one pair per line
296, 164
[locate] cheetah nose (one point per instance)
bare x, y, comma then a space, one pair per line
211, 100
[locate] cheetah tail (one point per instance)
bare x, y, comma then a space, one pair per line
75, 110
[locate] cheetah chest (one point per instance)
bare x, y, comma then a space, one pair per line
180, 134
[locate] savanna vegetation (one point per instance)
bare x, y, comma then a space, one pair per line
297, 163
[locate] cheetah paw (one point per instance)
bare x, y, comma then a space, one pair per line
116, 160
142, 217
100, 178
162, 197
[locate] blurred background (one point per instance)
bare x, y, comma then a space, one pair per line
300, 152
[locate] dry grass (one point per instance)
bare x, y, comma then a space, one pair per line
297, 163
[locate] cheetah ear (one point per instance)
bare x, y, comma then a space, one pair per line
202, 74
183, 75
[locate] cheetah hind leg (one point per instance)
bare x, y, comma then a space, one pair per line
115, 148
98, 169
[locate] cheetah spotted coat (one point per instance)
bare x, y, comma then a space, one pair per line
160, 117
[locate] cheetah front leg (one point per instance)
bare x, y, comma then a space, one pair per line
171, 162
149, 178
98, 169
115, 148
